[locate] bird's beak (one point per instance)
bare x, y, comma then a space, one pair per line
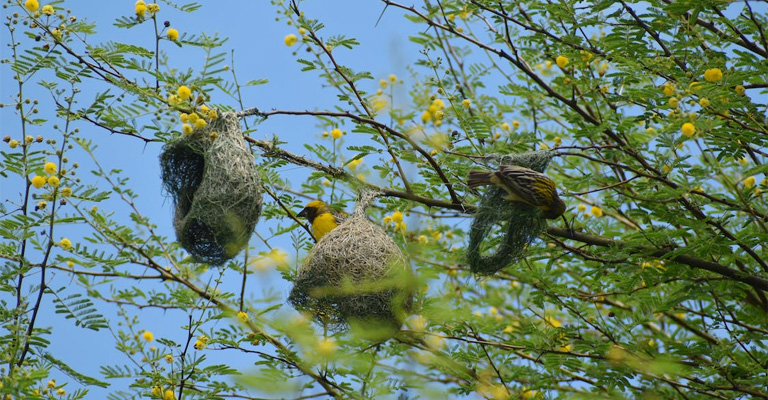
303, 213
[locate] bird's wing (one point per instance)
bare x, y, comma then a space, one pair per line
530, 186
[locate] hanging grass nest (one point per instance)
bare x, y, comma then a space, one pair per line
216, 190
502, 230
355, 274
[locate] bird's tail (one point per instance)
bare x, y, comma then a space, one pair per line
478, 178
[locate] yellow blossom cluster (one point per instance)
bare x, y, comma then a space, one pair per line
201, 342
395, 218
434, 112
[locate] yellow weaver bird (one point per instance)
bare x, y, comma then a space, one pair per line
523, 185
320, 216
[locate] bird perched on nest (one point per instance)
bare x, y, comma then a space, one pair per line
321, 217
523, 185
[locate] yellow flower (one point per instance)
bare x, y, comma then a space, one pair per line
401, 227
153, 8
326, 347
515, 124
326, 182
140, 9
38, 181
243, 317
392, 78
200, 124
422, 239
673, 102
290, 40
148, 336
172, 34
688, 129
187, 129
51, 384
61, 392
13, 143
192, 118
382, 83
666, 168
48, 9
214, 135
65, 244
505, 126
749, 182
508, 329
199, 344
581, 207
596, 211
168, 358
53, 181
66, 192
740, 89
603, 68
561, 61
184, 92
557, 141
743, 161
713, 75
32, 5
553, 321
50, 168
169, 395
354, 163
466, 103
668, 89
397, 216
29, 139
704, 102
426, 116
336, 133
157, 391
41, 204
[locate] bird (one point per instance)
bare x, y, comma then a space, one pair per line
321, 217
523, 185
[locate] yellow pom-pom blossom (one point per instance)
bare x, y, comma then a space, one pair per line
668, 89
153, 8
505, 126
740, 89
50, 168
192, 118
397, 216
53, 181
42, 204
581, 207
169, 395
38, 181
184, 117
48, 9
557, 141
242, 316
392, 78
749, 182
200, 124
561, 61
596, 211
157, 391
172, 34
290, 39
713, 75
423, 239
382, 83
187, 129
32, 5
148, 336
61, 392
184, 92
326, 347
673, 102
66, 192
466, 103
515, 124
704, 102
13, 144
336, 133
199, 344
141, 8
65, 244
688, 129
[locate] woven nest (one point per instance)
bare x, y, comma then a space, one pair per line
354, 274
216, 190
502, 230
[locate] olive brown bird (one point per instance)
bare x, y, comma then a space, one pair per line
523, 185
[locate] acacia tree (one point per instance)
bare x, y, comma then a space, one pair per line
656, 289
